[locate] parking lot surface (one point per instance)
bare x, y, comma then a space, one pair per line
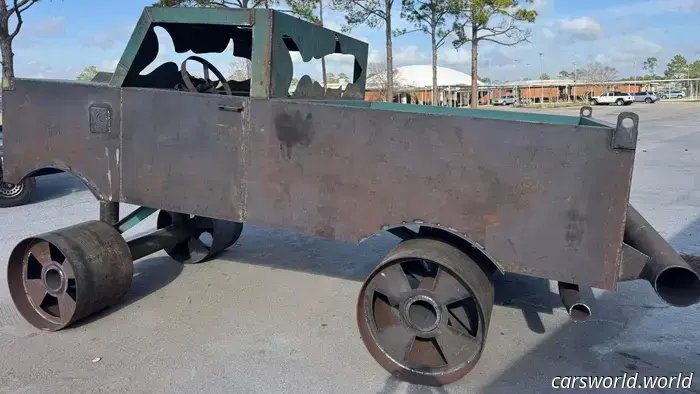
276, 313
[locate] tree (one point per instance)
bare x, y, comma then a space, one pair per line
88, 74
305, 9
7, 36
677, 67
650, 64
598, 75
544, 77
377, 76
563, 74
694, 69
332, 78
239, 72
373, 14
430, 17
496, 21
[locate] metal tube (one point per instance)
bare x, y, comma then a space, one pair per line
151, 243
670, 276
575, 306
109, 212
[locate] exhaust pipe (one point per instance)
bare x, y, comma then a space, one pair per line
573, 302
671, 277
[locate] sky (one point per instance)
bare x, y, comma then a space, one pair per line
60, 38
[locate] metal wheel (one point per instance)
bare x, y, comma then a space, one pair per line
12, 195
209, 236
424, 312
60, 277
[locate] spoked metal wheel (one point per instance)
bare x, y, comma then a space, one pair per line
424, 312
58, 278
209, 237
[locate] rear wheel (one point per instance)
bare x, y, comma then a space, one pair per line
424, 312
648, 100
209, 237
12, 195
620, 102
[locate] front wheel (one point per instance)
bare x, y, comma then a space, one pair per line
594, 102
648, 100
424, 312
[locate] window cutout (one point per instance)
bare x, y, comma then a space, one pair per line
236, 70
307, 77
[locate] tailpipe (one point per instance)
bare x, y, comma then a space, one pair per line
669, 274
573, 302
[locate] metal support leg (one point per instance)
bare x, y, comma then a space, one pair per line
109, 212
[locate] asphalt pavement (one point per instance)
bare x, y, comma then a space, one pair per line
276, 312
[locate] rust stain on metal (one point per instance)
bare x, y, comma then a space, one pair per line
293, 130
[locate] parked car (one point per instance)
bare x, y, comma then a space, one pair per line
676, 94
12, 195
647, 97
617, 98
505, 100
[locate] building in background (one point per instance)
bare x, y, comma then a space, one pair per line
414, 85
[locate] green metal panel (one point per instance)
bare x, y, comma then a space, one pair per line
518, 116
152, 16
261, 59
313, 42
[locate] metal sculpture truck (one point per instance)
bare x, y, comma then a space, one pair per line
470, 193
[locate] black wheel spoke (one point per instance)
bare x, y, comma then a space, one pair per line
447, 288
456, 346
396, 341
392, 283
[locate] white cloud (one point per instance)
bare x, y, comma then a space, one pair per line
108, 65
409, 55
582, 28
52, 27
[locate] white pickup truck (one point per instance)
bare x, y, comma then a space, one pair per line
617, 98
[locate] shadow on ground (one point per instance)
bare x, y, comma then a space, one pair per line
327, 257
630, 331
150, 275
49, 187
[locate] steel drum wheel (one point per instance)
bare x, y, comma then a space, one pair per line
424, 312
60, 277
209, 236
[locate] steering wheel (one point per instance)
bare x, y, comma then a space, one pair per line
208, 86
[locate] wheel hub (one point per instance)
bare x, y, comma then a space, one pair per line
422, 313
54, 279
9, 190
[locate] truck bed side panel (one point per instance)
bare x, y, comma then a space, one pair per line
544, 200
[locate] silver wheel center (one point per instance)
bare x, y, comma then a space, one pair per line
53, 279
422, 313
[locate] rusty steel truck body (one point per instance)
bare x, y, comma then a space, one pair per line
470, 193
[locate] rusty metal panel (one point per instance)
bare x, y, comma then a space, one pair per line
183, 152
73, 126
544, 200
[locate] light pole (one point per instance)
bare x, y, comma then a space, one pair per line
541, 81
529, 91
574, 82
